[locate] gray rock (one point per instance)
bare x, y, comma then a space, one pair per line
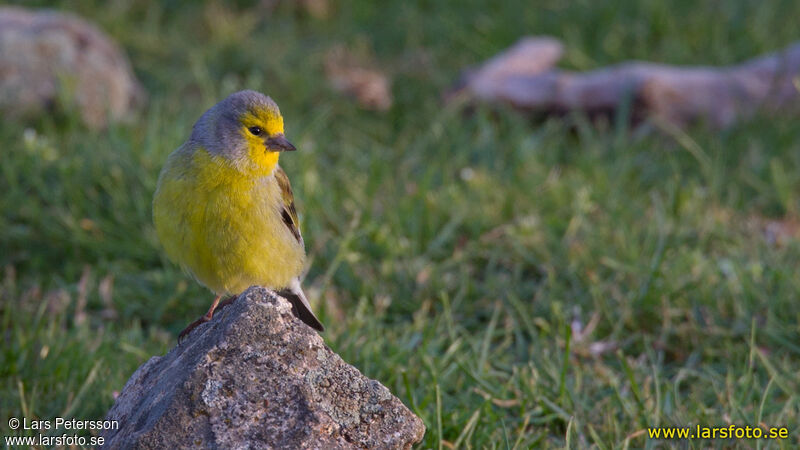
48, 56
257, 377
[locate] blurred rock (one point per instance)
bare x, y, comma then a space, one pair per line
257, 377
370, 87
524, 77
49, 56
318, 9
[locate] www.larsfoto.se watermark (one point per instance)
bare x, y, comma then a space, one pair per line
730, 432
59, 432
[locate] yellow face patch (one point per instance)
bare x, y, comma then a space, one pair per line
271, 123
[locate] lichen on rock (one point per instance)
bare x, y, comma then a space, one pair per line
257, 377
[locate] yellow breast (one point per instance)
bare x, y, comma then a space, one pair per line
224, 227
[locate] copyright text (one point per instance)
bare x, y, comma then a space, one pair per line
58, 431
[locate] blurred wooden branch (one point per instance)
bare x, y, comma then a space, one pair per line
524, 76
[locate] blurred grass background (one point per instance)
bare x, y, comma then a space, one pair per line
516, 283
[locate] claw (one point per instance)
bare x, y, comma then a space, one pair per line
227, 302
192, 326
215, 306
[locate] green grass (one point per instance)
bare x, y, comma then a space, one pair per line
516, 283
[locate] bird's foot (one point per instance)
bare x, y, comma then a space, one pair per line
207, 317
227, 302
192, 326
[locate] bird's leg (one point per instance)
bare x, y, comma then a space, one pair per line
227, 302
210, 312
202, 319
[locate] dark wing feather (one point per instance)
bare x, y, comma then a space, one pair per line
300, 306
289, 213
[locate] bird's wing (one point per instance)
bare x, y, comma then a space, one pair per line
294, 293
288, 213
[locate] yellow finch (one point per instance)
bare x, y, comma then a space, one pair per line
224, 209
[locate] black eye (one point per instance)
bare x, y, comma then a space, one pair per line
256, 131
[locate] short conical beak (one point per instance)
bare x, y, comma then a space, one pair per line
279, 143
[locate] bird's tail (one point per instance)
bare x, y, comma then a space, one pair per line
300, 306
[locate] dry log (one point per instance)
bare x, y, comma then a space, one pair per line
524, 76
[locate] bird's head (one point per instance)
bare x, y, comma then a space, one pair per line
246, 129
